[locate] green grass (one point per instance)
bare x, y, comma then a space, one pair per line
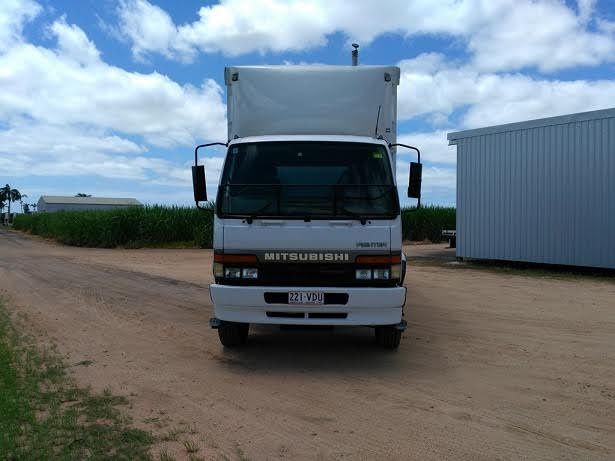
427, 222
43, 415
173, 227
150, 226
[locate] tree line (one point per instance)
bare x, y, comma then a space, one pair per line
9, 195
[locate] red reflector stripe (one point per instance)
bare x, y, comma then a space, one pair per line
396, 259
223, 258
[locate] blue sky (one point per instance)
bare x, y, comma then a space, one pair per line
108, 97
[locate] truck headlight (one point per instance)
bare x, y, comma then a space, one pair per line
232, 272
230, 266
381, 274
249, 273
396, 271
363, 274
387, 267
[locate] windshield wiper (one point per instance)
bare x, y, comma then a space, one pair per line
252, 216
362, 219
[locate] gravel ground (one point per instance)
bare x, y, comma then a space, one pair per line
494, 365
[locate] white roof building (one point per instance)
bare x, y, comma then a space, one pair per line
52, 203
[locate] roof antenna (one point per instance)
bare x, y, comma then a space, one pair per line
377, 120
355, 54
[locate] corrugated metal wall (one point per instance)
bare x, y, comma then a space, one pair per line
543, 194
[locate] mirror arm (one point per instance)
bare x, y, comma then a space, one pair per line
196, 163
418, 152
196, 149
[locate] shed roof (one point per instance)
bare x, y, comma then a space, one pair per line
560, 120
89, 200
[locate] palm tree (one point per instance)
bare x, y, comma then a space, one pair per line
9, 195
23, 196
28, 208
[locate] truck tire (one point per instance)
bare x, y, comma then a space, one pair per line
233, 334
388, 337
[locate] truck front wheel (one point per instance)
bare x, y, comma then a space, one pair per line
233, 334
388, 337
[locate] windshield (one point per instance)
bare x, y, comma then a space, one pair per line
309, 179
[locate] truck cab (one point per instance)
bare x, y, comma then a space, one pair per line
307, 227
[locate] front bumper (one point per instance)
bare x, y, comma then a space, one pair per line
365, 306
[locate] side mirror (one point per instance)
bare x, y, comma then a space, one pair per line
414, 183
199, 184
198, 174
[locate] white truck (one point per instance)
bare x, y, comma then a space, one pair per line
307, 226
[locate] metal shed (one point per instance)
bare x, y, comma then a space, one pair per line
52, 203
540, 191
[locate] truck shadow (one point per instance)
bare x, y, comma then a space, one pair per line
339, 350
428, 346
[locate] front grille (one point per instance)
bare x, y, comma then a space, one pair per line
308, 275
286, 315
311, 315
327, 315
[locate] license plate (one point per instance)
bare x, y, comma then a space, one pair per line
306, 297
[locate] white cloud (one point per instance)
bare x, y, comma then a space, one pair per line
437, 179
501, 35
67, 112
71, 85
437, 89
73, 43
29, 148
586, 9
530, 99
13, 15
233, 27
148, 26
438, 183
32, 138
433, 146
547, 35
607, 27
432, 86
33, 149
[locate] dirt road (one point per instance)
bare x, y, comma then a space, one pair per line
493, 365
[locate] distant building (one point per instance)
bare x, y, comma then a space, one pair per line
51, 203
